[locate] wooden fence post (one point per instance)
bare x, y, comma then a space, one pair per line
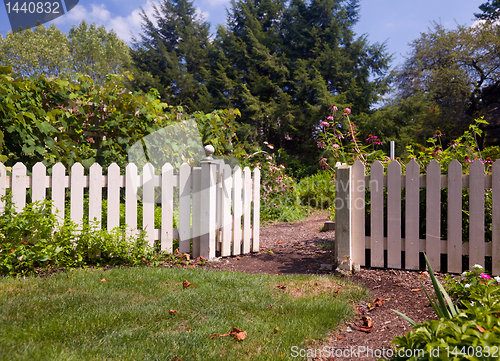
208, 205
343, 226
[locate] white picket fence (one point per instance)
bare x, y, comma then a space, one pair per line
214, 203
351, 240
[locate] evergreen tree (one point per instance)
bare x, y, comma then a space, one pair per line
490, 10
283, 67
172, 54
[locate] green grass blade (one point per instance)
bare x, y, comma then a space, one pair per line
405, 317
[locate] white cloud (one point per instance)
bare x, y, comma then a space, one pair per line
124, 27
217, 2
204, 15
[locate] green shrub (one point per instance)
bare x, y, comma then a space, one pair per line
471, 285
318, 190
468, 333
279, 199
33, 240
473, 334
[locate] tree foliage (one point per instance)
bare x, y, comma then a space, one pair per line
281, 63
87, 50
171, 54
458, 73
490, 10
51, 120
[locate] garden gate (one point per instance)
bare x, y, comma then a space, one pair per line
401, 232
219, 208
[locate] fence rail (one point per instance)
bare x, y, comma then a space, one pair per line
386, 251
214, 202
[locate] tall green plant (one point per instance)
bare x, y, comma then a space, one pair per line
442, 309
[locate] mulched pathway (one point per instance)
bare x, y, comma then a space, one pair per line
300, 247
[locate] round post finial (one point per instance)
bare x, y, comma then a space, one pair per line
209, 151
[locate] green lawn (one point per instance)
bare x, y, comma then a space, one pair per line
74, 315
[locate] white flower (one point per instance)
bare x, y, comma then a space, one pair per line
467, 285
477, 266
497, 278
465, 273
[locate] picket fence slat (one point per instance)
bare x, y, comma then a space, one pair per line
454, 235
377, 214
38, 188
211, 199
131, 198
58, 190
433, 214
256, 211
95, 194
495, 242
226, 222
77, 189
247, 199
3, 186
476, 214
113, 202
19, 186
148, 202
412, 212
237, 210
394, 215
167, 208
196, 210
184, 208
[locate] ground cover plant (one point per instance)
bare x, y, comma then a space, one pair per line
146, 313
470, 331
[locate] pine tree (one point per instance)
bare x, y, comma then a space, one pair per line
172, 54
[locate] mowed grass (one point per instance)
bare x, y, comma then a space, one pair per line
75, 315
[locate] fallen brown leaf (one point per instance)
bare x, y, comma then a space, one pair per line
238, 334
416, 290
103, 280
175, 358
480, 328
281, 287
279, 242
378, 301
172, 311
337, 291
235, 332
186, 284
367, 321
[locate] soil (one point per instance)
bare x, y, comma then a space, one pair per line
302, 248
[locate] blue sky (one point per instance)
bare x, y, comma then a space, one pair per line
396, 22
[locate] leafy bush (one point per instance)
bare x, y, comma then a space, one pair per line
33, 240
318, 190
471, 332
471, 285
279, 196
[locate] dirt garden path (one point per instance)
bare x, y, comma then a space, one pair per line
301, 248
